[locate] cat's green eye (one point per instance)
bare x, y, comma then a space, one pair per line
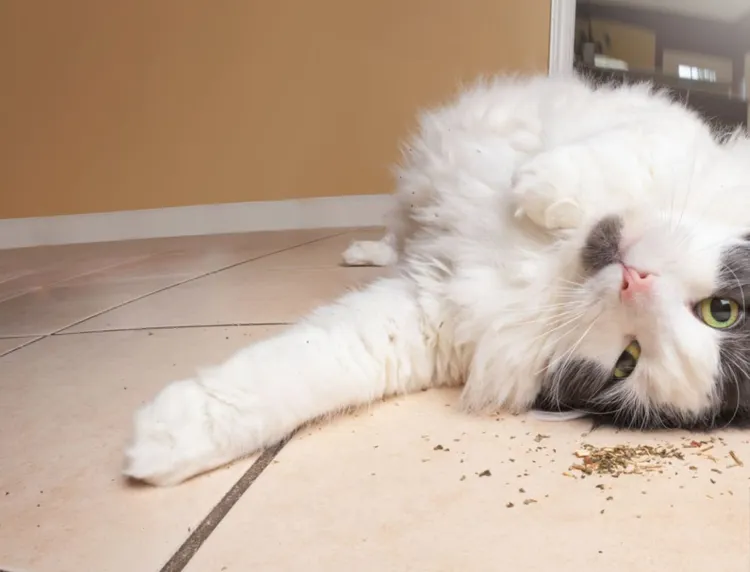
719, 313
627, 361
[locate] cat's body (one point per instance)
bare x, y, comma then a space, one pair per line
552, 246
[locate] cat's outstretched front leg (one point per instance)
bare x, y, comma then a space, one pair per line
367, 345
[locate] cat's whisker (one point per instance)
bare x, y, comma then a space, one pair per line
542, 315
536, 309
547, 332
737, 281
572, 349
691, 185
742, 367
567, 292
577, 284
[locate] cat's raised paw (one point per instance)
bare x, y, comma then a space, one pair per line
546, 193
543, 206
369, 253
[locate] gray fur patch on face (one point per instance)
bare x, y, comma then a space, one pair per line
602, 246
576, 384
734, 344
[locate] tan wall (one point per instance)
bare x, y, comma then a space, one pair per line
116, 105
632, 44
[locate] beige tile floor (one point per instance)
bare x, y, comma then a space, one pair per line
88, 332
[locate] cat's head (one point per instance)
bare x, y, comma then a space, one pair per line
654, 326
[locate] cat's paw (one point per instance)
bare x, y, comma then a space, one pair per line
175, 437
545, 193
369, 253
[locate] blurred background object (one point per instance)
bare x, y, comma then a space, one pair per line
699, 49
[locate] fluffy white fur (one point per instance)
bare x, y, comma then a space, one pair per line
495, 198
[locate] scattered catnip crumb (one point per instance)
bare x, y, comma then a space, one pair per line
623, 459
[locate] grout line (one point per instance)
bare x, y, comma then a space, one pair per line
192, 279
185, 553
28, 343
81, 274
165, 288
177, 327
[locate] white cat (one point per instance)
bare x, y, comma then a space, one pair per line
555, 246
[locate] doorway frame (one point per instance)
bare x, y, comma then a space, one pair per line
562, 23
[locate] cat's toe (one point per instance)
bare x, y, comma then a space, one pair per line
369, 253
172, 437
150, 463
545, 205
562, 215
547, 190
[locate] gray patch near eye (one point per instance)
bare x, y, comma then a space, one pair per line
734, 344
602, 246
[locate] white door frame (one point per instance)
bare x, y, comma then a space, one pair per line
561, 36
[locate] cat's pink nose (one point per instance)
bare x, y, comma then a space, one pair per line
634, 283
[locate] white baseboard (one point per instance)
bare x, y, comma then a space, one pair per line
562, 32
323, 212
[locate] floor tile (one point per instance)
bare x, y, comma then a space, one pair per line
9, 344
241, 295
324, 253
28, 269
45, 295
46, 310
188, 257
17, 281
65, 419
262, 242
415, 484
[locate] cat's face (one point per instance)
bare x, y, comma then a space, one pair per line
653, 330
